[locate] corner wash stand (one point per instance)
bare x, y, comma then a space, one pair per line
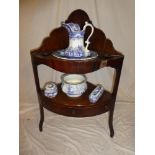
107, 57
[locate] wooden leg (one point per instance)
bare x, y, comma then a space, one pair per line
41, 118
111, 122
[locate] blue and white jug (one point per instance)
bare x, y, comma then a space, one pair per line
76, 40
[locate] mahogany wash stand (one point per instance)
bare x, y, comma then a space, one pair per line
108, 57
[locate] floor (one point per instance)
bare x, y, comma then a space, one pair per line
77, 136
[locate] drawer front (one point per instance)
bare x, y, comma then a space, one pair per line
80, 111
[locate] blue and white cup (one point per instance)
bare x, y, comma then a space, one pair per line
50, 89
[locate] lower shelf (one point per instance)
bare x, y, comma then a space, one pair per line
77, 107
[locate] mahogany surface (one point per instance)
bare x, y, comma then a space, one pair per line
76, 66
77, 107
108, 57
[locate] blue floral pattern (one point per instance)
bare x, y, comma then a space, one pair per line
96, 94
74, 52
50, 90
73, 30
75, 34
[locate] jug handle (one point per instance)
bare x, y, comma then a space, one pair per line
92, 31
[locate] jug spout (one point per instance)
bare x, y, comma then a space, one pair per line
67, 26
73, 29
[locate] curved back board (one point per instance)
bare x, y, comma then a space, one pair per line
59, 38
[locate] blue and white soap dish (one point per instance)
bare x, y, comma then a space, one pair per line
96, 93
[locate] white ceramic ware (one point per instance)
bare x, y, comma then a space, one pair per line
50, 89
61, 55
76, 40
73, 85
96, 93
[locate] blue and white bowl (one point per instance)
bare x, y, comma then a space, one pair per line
73, 85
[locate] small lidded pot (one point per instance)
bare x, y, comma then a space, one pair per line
73, 85
50, 89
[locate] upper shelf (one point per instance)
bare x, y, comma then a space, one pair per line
59, 39
75, 66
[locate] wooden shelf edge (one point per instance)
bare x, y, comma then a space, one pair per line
78, 107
